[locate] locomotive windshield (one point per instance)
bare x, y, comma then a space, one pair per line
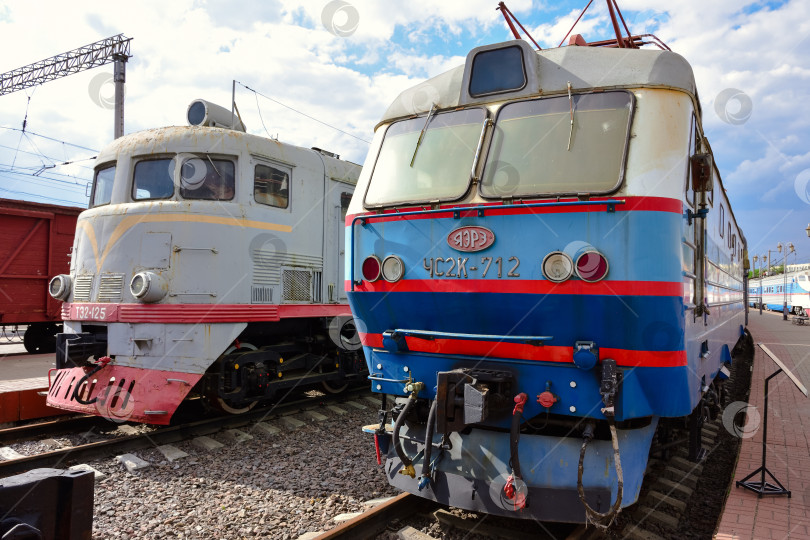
440, 170
536, 150
154, 179
102, 186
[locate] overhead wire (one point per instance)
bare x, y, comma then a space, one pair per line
302, 113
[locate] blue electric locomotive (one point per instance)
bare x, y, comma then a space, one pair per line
545, 268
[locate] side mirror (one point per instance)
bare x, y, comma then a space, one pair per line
701, 173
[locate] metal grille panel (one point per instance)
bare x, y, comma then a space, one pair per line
82, 287
261, 295
267, 264
297, 285
109, 287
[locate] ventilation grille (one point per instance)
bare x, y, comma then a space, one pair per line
267, 265
261, 295
316, 287
109, 287
82, 287
297, 285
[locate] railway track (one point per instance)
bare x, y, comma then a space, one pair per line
165, 435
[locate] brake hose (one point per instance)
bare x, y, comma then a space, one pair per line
602, 521
407, 463
431, 421
103, 361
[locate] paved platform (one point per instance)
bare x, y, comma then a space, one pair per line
22, 377
746, 516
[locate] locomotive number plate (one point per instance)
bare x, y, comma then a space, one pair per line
472, 267
93, 312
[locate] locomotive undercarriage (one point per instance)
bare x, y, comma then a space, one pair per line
267, 362
469, 459
97, 372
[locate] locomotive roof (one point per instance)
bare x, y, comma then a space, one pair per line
584, 67
213, 140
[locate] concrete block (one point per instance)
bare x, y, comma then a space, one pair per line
235, 436
357, 405
171, 452
266, 429
291, 423
98, 475
132, 462
337, 410
206, 443
7, 454
409, 533
346, 517
314, 415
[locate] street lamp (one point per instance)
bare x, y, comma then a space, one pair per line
808, 229
788, 246
756, 258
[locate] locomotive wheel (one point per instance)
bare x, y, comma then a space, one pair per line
333, 389
223, 404
40, 338
330, 388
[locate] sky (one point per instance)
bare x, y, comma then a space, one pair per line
342, 62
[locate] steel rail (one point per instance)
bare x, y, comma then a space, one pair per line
60, 458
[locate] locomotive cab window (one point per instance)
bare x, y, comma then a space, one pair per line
207, 179
497, 71
102, 186
536, 150
271, 186
153, 179
426, 159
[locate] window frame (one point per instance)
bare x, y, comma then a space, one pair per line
485, 154
284, 169
474, 165
104, 167
137, 161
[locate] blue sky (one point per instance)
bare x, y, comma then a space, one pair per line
749, 60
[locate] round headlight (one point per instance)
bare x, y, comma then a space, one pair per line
392, 268
59, 287
592, 266
148, 287
557, 266
371, 268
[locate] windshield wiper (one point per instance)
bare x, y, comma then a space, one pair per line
571, 109
422, 133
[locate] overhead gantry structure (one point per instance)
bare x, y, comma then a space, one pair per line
113, 49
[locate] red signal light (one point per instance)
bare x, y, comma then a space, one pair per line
371, 268
591, 266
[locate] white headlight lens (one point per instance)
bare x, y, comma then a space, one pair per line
139, 285
557, 266
148, 286
392, 268
59, 287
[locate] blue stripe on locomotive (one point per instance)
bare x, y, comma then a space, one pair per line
624, 237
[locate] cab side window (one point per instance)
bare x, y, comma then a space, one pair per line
208, 179
271, 186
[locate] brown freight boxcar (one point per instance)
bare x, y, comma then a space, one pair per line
35, 244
